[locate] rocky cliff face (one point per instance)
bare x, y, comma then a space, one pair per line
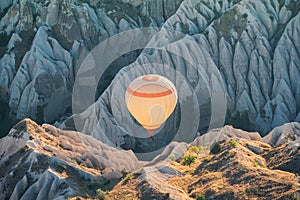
47, 163
238, 59
43, 43
244, 54
43, 162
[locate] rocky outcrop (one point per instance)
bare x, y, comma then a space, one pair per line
48, 163
283, 134
47, 43
227, 64
43, 162
44, 80
238, 59
233, 173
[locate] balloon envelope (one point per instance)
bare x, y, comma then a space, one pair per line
151, 99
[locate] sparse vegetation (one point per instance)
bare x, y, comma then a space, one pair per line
128, 177
232, 154
245, 15
206, 160
196, 149
101, 194
172, 157
200, 197
74, 160
215, 148
188, 160
255, 163
232, 143
62, 166
25, 148
124, 172
82, 164
251, 191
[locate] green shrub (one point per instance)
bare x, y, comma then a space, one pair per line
215, 148
232, 143
127, 177
251, 190
196, 149
255, 163
232, 154
245, 15
25, 148
200, 197
206, 160
101, 194
172, 157
188, 160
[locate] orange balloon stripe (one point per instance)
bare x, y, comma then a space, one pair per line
157, 125
149, 95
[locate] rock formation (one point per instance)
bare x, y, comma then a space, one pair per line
43, 162
237, 63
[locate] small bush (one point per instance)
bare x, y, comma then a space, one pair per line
232, 143
196, 149
124, 171
215, 148
206, 160
255, 163
25, 148
172, 157
188, 160
251, 190
200, 197
127, 177
245, 15
101, 194
232, 154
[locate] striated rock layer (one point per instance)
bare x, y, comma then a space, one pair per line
43, 162
234, 62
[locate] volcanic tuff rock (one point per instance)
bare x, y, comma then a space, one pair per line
43, 43
43, 162
244, 50
237, 172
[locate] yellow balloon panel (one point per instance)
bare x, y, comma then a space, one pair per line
151, 99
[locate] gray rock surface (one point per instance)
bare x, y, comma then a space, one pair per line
48, 41
43, 162
286, 133
241, 50
245, 51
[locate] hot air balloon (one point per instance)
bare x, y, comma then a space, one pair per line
151, 99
